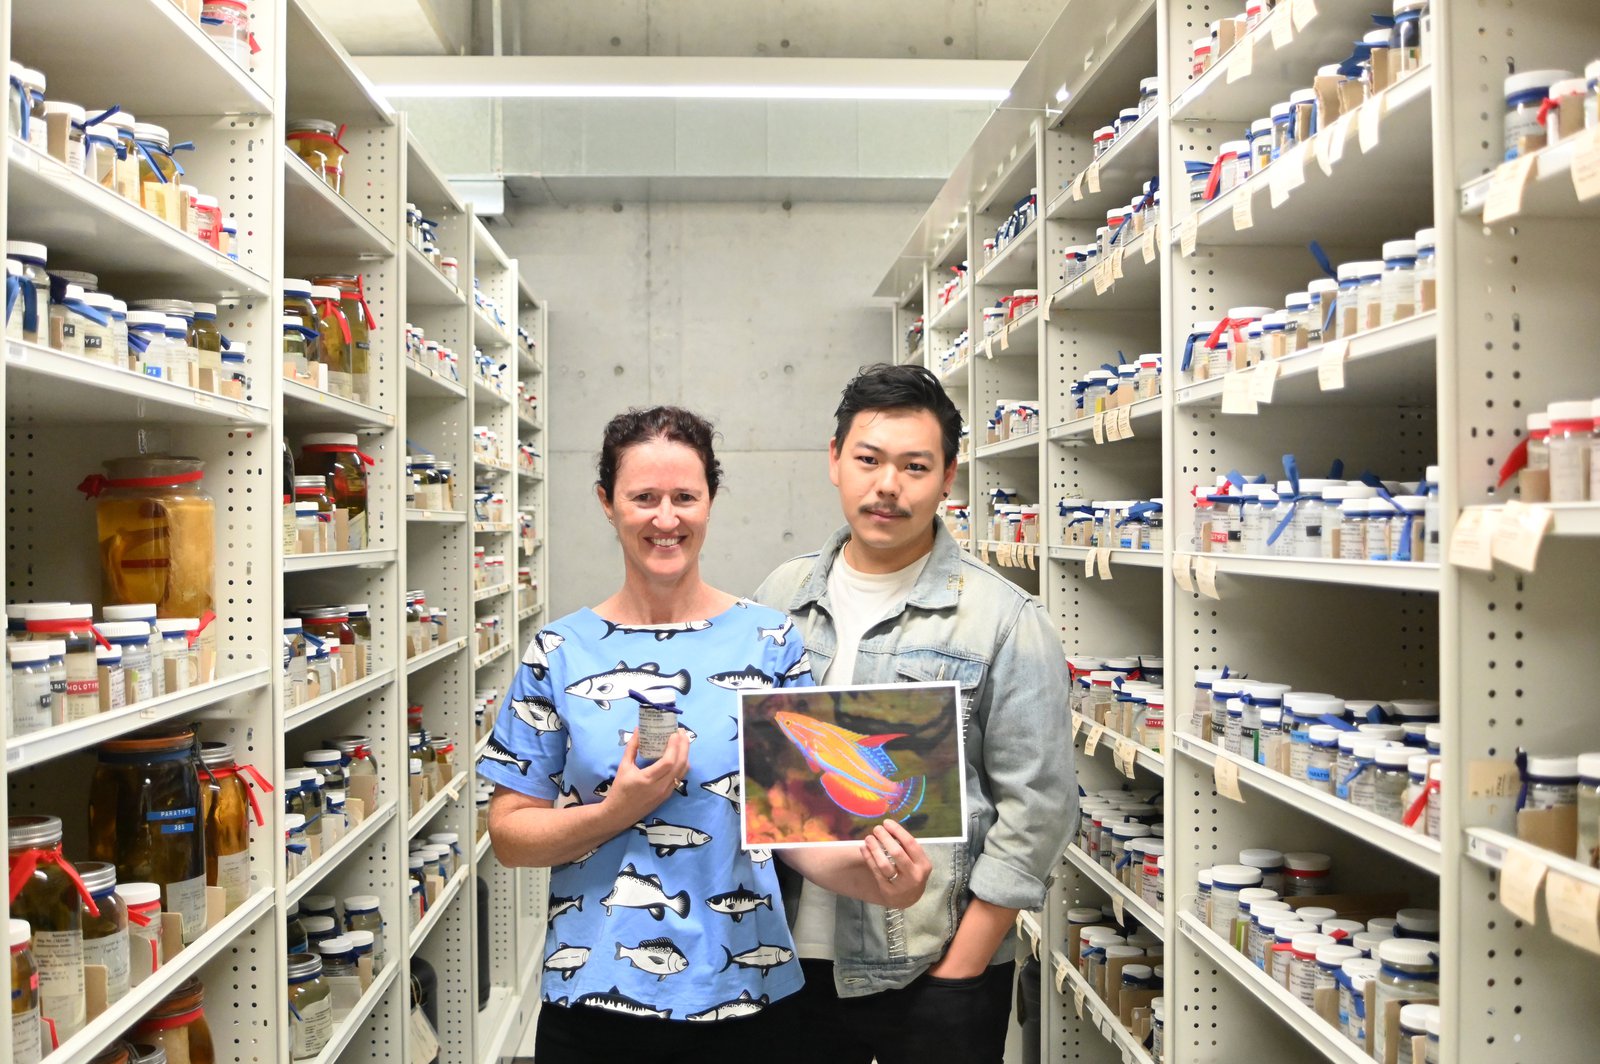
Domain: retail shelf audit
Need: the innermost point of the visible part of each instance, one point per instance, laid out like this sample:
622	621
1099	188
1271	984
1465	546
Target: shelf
480	849
487	593
1549	192
1275	72
1013	447
493	528
1382	576
339	559
435	914
1367	192
448	793
345	1033
1097	1013
955	376
1018	338
527	474
485	394
495	1023
141	28
494	655
953	315
1122	171
437	517
1410	846
1132	904
1383	366
424	383
1015	265
114	1022
46	385
35	748
308	407
1080	432
1138	288
528	611
1148	759
321	224
486	332
1489	848
493	467
1151	559
319	707
306	881
426	284
1574	520
528	422
1323	1036
322	78
425	185
1011	181
135	253
438	653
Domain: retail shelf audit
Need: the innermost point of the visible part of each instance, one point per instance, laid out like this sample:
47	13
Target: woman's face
660	507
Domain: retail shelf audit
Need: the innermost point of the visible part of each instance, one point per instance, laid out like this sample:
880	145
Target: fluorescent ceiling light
675	77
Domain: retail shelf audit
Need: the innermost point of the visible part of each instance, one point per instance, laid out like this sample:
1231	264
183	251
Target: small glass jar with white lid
1550	783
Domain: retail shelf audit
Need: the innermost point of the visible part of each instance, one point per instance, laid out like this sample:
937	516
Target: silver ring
894	877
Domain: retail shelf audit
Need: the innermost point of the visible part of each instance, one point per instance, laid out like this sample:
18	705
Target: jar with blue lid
1149	93
1260	140
1282	128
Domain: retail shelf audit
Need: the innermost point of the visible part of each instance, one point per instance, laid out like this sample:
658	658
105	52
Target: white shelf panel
437	517
1138	288
1016	265
319	707
528	611
485	394
1080	432
1011	181
189	74
493	528
491	592
1322	1036
322	79
1383	576
436	911
448	793
492	467
1576	520
37	391
953	315
1382	366
346	1031
80	222
1410	846
1131	161
322	224
335	855
492	656
1018	339
425	185
35	748
486	332
311	407
339	559
1150	760
955	376
1549	192
1132	904
429	384
1149	559
495	1022
1028	927
438	653
534	476
426	284
480	849
1489	848
1016	447
1096	1012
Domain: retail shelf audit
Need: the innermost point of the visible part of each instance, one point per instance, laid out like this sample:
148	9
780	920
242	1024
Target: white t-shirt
859	600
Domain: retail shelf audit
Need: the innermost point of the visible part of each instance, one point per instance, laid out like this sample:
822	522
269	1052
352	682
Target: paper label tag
1287	173
1180	571
1116	264
1124	423
1126	757
1506	187
1330	365
1240	61
1471	546
1188	236
1005	338
1098	429
424	1041
1518	533
1077	994
1303	11
1119	908
1226	775
1282	28
1091	178
1574	908
1263	379
1205	577
1333	150
1586	166
1521	876
1092	744
1243	213
1077	724
1077	187
1088	564
1369	122
1151	241
1105	562
1236	394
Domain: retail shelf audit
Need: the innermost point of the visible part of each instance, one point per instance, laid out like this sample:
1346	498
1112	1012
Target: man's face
891	478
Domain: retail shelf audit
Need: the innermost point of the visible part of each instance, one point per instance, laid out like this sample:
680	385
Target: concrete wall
747	313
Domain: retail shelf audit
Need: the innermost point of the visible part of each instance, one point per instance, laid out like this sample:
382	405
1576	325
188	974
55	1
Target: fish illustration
496	752
568	797
737	902
549	642
779	634
604	787
743	1005
623	734
647	679
635	891
662	632
560	1001
537	713
759	855
558	906
854	768
748	678
568	959
615	1001
727	786
800	668
658	956
579	862
668	839
763	957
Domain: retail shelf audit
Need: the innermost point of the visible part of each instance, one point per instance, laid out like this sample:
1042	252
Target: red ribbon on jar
205	622
167	1023
95	483
26	863
339	448
330	306
63	627
1420	806
252	779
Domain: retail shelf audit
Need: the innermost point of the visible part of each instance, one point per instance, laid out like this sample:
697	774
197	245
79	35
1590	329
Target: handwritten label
1105	562
1521	876
1151	240
1126	755
1077	187
1093	743
1506	188
1098	429
1471	546
1337	136
1586	166
1113	431
1302	11
1330	365
1287	173
1518	533
1369	122
1282	29
1077	992
1241	60
1077	724
1119	908
1236	395
1091	179
1088	564
1180	571
1263	379
1102	278
1243	214
1225	773
1574	908
1124	423
1116	264
1205	577
1188	236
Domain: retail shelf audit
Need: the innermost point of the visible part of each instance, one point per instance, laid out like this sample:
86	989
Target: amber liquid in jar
105	937
53	906
226	804
356	316
178	1025
27	1041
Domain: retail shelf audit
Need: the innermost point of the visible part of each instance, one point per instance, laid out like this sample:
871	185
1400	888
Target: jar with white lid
1304	971
1571	437
1199	57
1255	699
1126	118
1550	783
1282	128
1399	284
1369	295
1202	896
1149	93
1358	782
1195	365
1232	168
1200	709
1409	971
1525	94
1224	692
27	104
1104	137
1226	883
1260	140
1254	520
1265	915
1115	860
1269	863
1092	943
1391	780
64	133
28	318
1416	923
1116	951
1588	851
1304	710
1278	953
1353	978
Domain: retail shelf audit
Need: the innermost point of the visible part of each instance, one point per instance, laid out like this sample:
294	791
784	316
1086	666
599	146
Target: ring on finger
894	877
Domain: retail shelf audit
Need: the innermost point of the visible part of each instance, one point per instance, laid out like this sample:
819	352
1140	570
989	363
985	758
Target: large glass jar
357	749
302	793
337	457
333	622
178	1025
105	936
72	625
228	803
144	816
358	316
310	1007
206	337
297	305
337	340
316	142
47	893
27	1047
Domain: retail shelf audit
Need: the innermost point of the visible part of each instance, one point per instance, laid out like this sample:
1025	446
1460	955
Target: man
891	598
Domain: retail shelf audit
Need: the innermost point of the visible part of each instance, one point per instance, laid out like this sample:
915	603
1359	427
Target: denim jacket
961	622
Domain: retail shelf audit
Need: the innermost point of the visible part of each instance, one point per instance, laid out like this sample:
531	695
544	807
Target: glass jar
1570	440
1525	94
48	893
296	930
71	625
1390	782
1588	810
297	304
1260	139
336	457
27	1043
362	913
178	1025
357	750
1226	883
105	937
357	315
33	706
317	145
30	85
1347	316
329	767
144	808
227	22
146	953
302	792
28	317
206	338
1399	283
1550	783
336	340
1409	971
228	802
296	850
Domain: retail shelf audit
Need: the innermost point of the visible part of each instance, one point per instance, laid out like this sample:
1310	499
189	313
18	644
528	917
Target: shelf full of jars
207	556
1311	445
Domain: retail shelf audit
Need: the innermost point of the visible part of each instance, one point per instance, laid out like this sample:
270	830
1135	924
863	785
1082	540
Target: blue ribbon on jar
22	284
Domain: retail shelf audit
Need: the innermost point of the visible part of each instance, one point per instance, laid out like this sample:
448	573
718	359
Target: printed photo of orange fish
825	765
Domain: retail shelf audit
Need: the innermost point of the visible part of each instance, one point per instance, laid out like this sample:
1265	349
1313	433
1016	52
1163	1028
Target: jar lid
312	125
1337	954
1235	875
151	132
139	893
293	822
357	609
171	626
1588	766
361	941
325	291
296	286
1261	858
33	79
30	653
27	251
1414	707
137	318
98	876
361	903
1262	125
336	944
1307	862
1425	921
1252	895
1570	411
1552	768
324	439
1400	249
21	933
163	738
1416	952
124	629
213	752
323	757
316	925
304	966
445	838
1533	80
1122	951
1306	944
62	107
1391	755
144	611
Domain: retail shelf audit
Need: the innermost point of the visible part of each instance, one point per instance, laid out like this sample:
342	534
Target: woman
656	914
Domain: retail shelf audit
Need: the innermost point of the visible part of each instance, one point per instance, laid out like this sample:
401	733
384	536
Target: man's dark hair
671	423
886	387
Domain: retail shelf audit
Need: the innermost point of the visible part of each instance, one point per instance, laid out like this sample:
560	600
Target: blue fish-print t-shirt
670	919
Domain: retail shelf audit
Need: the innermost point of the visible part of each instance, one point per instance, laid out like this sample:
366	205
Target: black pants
587	1035
931	1021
